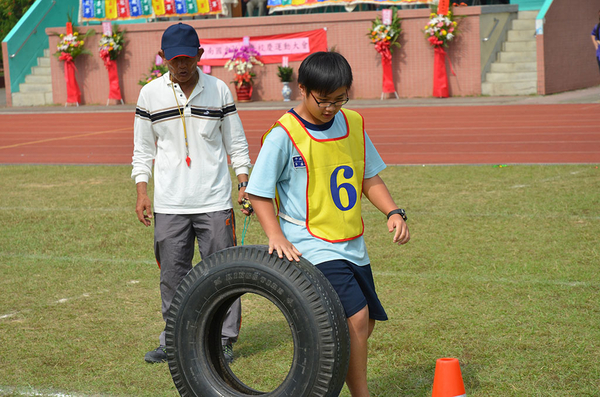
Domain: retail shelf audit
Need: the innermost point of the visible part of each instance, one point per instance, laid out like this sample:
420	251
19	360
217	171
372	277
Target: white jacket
214	130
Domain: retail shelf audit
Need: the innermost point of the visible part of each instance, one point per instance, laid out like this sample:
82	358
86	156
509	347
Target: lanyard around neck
187	150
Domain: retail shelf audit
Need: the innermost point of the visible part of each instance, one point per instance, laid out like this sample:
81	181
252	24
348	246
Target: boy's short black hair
325	72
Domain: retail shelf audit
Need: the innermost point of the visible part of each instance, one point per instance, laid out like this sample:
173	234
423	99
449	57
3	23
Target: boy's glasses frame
324	105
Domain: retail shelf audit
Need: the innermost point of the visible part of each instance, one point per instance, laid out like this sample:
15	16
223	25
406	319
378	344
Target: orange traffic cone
447	381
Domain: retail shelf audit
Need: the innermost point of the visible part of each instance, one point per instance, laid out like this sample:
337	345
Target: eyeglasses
336	104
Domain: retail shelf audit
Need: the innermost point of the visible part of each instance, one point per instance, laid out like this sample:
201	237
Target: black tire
305	297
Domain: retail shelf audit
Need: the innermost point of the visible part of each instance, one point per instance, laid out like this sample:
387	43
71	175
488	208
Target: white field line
546	180
488	280
46	258
66	209
495	215
485	280
30	391
75	258
61	301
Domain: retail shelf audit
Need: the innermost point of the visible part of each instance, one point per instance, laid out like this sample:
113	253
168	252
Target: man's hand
143	206
242	197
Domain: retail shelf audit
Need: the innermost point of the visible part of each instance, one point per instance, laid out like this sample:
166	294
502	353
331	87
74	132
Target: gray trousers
174	237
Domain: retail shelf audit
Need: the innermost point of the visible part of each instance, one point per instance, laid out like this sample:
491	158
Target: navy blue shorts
355	287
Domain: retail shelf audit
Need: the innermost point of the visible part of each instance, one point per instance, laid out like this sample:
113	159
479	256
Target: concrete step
515	71
35	87
508	67
44	61
523	24
519	46
509	88
41	71
29	99
521	35
527	14
517	56
508	77
39	79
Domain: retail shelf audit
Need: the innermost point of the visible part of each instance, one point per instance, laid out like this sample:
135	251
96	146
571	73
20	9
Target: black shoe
158	355
228	353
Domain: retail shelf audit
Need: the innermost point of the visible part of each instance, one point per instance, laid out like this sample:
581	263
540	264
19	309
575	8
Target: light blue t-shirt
280	165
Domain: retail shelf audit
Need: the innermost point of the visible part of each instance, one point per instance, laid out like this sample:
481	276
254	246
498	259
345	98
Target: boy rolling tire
306	299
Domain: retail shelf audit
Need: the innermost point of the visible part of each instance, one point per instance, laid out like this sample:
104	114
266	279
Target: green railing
528	5
539	20
28	40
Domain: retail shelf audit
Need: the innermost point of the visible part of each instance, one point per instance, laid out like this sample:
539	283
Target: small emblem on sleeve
298	162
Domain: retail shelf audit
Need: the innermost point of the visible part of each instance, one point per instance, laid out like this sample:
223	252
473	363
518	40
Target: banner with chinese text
112	10
288	5
295	46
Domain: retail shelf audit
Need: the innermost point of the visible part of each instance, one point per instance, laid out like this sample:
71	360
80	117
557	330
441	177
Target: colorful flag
87	8
159	7
135	8
180	7
203	6
99	11
127	9
215	6
146	7
111	9
192	6
169	6
123	9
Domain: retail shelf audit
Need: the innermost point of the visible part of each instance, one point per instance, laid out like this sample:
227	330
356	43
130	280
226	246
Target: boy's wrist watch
242	184
398	211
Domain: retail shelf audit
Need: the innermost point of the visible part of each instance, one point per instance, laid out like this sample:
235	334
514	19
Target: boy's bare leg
360	327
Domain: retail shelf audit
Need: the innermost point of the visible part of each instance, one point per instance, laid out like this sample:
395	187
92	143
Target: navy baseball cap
180	40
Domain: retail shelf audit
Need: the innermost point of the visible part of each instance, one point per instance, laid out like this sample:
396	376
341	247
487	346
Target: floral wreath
110	46
385	37
441	29
71	45
242	61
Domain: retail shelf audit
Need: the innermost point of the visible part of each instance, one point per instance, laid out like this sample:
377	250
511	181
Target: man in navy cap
186	125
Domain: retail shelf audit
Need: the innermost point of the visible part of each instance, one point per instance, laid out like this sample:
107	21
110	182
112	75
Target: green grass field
502	272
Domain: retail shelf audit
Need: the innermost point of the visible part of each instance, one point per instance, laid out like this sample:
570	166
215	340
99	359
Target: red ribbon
73	92
113	75
113	80
383	48
105	55
440	76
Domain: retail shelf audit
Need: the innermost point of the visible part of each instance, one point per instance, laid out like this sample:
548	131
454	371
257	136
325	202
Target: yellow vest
335	171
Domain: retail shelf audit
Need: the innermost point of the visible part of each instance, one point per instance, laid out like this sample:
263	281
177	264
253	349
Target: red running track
512	134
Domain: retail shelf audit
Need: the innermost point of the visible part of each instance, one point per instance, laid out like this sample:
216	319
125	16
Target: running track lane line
64	137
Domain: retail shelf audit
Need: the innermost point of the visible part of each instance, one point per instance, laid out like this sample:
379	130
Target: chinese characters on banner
130	9
272	49
287	5
443	7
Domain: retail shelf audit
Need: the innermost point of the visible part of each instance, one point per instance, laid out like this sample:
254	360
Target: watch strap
398	211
